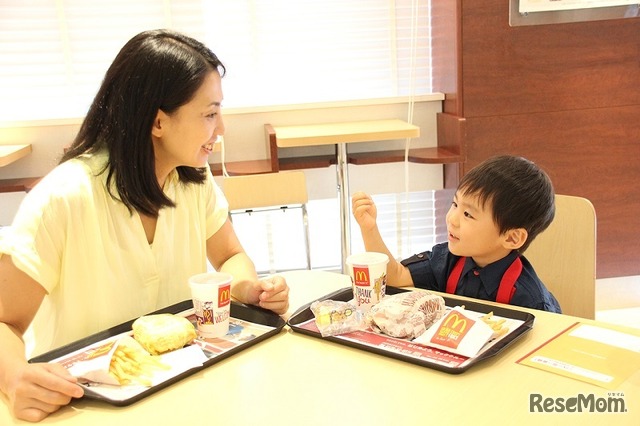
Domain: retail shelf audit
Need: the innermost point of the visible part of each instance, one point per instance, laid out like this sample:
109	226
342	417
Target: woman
132	211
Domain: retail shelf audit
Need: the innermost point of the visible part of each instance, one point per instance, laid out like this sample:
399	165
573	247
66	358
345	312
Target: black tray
402	347
244	313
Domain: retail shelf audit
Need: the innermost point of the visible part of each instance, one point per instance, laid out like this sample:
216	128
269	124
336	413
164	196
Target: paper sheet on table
599	354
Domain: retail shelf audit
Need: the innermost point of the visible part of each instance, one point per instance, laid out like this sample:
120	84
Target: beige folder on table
601	355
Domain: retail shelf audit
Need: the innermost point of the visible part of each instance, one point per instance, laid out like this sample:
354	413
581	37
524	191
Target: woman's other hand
37	390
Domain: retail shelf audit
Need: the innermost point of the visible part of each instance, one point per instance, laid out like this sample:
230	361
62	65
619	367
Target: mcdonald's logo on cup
361	276
224	295
211	290
368	272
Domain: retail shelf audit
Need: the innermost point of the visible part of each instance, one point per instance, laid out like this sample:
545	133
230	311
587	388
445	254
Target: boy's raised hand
364	211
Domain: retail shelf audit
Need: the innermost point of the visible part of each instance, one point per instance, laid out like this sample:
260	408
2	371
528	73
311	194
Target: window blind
54	53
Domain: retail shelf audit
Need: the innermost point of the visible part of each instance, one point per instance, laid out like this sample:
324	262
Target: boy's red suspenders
507	283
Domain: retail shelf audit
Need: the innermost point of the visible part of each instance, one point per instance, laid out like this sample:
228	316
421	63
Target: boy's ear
515	238
158	123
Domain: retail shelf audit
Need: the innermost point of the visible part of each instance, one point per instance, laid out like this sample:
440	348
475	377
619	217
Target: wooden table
297	379
11	153
340	134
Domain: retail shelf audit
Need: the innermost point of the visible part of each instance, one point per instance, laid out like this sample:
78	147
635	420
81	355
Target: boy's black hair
520	193
155	70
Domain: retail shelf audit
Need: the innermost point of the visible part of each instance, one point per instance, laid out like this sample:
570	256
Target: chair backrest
270	191
265	190
564	256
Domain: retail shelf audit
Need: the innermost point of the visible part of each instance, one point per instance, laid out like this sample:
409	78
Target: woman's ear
515	238
159	123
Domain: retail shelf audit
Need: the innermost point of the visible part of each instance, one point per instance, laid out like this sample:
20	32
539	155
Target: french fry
496	325
134	366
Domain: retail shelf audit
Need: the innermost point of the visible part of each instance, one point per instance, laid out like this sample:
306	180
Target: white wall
245	140
9	203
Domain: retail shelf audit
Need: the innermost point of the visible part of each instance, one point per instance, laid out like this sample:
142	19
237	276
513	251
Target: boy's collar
491	274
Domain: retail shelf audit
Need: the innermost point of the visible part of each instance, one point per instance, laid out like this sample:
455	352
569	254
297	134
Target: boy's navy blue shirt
430	270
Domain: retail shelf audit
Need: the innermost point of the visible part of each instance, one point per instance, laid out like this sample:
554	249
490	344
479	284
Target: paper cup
368	272
211	293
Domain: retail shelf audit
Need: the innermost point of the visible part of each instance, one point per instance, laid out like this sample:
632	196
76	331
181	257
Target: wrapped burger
406	315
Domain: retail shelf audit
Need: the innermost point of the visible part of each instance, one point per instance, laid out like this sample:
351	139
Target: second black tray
299	322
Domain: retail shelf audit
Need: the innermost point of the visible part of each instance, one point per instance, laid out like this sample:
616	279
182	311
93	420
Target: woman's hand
37	390
34	390
271	293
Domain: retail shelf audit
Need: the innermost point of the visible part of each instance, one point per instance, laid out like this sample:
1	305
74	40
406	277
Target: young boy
498	209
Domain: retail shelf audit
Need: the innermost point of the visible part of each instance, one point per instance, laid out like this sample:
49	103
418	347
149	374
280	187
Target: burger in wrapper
406	315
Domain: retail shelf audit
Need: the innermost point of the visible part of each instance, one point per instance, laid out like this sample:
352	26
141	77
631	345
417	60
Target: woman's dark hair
521	194
155	70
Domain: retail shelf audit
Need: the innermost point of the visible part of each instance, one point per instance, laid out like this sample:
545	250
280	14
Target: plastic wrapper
406	315
335	317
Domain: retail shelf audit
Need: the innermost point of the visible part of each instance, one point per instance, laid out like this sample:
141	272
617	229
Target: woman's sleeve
35	240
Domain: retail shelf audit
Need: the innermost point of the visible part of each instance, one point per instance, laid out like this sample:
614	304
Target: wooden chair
269	191
564	256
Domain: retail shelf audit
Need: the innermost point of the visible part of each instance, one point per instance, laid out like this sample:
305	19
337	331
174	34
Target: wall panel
566	96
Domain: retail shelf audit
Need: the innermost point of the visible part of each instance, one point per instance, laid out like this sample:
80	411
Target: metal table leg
342	177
